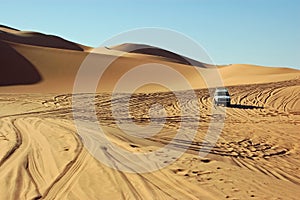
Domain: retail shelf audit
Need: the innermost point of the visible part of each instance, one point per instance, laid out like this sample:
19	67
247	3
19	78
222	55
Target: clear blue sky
264	32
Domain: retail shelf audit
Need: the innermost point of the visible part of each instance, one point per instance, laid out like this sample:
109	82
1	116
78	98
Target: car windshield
222	93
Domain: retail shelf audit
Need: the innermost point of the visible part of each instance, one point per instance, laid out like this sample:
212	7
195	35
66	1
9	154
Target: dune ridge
155	51
37	39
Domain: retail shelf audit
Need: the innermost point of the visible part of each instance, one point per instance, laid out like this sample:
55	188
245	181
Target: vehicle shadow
244	106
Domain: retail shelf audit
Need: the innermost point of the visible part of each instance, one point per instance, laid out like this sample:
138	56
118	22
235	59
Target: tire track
24	152
17	143
20	149
17	159
64	179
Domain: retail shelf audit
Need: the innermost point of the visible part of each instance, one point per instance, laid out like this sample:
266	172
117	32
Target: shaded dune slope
17	70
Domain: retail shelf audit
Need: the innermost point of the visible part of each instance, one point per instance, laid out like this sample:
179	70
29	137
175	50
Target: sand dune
57	62
42	156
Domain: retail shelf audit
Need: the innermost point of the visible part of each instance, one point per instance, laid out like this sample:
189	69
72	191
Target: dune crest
155	51
37	39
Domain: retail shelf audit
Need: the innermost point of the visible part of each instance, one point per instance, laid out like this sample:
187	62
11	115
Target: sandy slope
238	74
256	156
42	155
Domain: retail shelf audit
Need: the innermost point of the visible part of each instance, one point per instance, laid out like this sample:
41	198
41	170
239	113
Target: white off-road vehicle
221	97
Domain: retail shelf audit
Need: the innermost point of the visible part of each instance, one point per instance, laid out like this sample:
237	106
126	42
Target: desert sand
42	156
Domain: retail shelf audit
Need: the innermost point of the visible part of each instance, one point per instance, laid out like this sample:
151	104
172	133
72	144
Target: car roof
221	89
